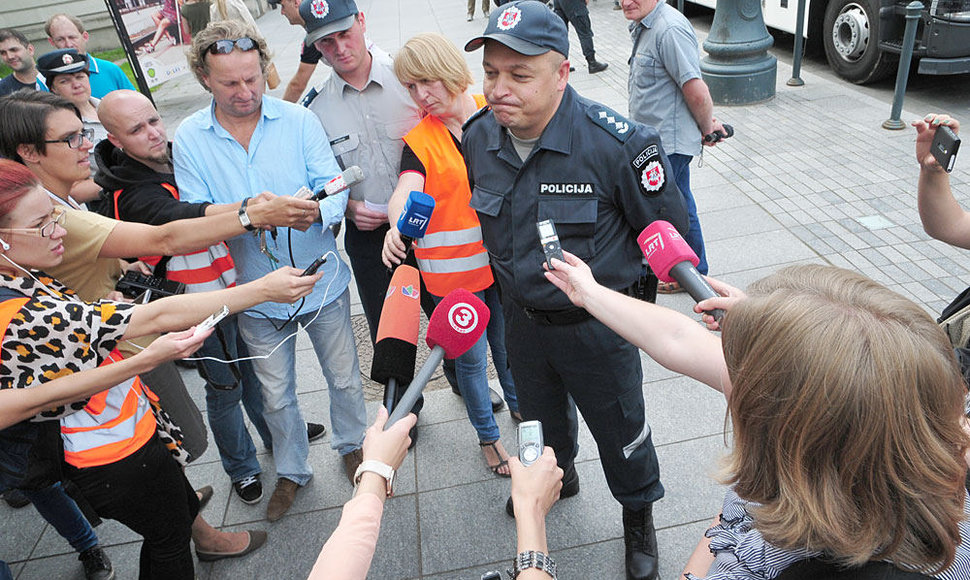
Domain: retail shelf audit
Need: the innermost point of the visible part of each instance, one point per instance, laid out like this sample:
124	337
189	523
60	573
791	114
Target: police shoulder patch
612	122
475	116
649	169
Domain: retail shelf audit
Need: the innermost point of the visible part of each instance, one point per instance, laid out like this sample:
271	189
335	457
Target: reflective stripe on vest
202	271
451	254
113	425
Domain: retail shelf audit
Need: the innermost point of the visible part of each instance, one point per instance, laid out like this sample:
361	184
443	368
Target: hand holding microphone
671	259
455	326
411	225
397	334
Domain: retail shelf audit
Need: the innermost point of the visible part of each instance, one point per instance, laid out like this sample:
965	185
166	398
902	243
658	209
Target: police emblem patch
650	170
509	18
67	59
320	8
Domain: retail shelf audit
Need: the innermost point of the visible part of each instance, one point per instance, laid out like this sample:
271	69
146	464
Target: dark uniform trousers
370	273
601	179
599	373
576	12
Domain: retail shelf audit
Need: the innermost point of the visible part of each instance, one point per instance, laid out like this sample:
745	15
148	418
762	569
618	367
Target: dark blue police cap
63	61
527	27
323	17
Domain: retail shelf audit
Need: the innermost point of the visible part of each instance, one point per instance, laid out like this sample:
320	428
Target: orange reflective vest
451	254
202	271
113	425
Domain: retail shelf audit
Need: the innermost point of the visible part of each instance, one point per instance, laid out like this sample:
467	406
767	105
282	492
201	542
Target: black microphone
671	259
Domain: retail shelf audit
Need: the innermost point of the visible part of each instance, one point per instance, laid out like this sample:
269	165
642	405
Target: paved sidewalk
809	177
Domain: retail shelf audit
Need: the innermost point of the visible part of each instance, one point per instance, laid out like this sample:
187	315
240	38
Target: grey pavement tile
20	530
680	409
742	220
124	559
756	251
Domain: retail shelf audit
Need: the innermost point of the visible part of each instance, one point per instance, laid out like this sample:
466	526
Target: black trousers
576	12
586	365
147	492
370	273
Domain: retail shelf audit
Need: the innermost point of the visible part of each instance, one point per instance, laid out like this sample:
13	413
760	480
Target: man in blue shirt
66	31
18	53
244	144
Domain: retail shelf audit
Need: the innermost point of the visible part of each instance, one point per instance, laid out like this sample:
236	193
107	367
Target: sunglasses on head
226	46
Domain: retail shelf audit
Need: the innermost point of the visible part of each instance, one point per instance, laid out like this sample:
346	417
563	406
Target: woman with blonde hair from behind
846	405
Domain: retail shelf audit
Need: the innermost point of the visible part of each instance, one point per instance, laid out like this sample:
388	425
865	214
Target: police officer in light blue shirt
543	152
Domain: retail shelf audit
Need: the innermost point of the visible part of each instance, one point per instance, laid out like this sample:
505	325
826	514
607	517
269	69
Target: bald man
135	170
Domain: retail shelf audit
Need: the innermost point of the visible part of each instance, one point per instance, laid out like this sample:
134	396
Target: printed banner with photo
156	34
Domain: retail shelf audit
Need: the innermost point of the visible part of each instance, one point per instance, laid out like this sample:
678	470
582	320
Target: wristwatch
532	559
378	467
244	217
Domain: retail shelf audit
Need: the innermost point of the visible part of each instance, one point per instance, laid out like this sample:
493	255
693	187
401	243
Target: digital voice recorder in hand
530	442
211	320
550	242
945	146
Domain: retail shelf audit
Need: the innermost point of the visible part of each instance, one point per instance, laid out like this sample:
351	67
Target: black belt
556	317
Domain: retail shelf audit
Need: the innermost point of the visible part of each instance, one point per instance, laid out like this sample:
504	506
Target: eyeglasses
74	141
225	46
46	230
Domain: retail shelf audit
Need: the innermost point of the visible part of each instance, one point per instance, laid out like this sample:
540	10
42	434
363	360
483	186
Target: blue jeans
473	378
236	448
5	573
60	511
333	341
496	342
680	166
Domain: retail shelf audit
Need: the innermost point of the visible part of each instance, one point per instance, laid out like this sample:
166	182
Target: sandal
668	288
502	462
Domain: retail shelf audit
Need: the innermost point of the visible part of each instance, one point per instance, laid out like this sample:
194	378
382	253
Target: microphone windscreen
664	248
416	215
401	313
457	323
393	359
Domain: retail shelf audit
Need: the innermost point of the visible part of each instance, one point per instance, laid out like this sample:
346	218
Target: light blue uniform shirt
105	77
664	58
288	150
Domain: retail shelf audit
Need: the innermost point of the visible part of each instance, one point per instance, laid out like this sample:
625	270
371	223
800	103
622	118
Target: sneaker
96	564
315	431
595	66
15	498
249	489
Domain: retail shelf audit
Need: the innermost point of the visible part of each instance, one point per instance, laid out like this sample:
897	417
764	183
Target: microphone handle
417	385
691	280
390	394
408	244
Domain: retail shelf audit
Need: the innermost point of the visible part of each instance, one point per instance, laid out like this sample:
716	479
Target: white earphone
4	245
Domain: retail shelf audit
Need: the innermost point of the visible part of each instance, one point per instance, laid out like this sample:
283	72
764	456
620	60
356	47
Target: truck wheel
850	35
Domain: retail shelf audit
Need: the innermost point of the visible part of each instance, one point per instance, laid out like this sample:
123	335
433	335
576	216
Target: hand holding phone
550	244
530	442
211	320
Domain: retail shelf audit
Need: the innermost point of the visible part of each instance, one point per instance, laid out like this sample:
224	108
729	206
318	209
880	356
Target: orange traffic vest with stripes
451	254
202	271
113	425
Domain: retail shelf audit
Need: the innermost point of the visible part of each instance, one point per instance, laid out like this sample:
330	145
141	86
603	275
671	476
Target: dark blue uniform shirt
600	177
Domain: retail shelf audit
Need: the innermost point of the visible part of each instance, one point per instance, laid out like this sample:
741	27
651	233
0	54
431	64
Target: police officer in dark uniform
543	152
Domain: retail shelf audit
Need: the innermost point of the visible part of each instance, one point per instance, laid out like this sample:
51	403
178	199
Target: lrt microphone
413	221
671	259
455	326
397	334
351	176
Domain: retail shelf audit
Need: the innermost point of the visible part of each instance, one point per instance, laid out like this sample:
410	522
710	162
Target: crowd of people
846	403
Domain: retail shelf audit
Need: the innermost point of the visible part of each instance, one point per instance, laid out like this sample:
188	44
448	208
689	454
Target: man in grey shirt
366	113
667	92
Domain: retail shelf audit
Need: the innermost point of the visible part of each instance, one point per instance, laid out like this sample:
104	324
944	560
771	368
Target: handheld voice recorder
530	442
550	242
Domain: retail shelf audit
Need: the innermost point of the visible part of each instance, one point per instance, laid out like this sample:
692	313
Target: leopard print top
54	335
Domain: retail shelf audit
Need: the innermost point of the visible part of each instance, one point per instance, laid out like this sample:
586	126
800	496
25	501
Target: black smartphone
312	268
945	146
134	284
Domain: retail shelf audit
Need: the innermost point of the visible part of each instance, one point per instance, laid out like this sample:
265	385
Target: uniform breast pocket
345	144
645	70
496	225
575	220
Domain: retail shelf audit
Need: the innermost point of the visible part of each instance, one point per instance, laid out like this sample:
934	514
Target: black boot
596	66
641	543
570	487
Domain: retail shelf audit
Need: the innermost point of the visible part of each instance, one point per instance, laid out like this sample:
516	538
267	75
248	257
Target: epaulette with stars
612	122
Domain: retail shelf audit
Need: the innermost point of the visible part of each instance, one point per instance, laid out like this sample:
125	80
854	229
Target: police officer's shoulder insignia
614	123
475	116
650	170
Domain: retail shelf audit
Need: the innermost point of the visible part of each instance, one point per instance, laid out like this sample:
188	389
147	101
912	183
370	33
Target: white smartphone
211	320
